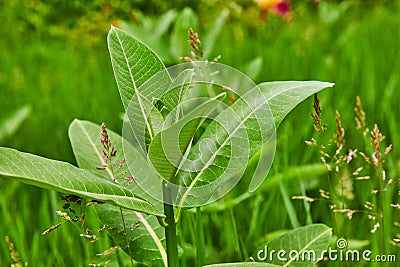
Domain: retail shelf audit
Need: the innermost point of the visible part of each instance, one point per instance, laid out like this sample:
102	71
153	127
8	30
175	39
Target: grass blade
10	125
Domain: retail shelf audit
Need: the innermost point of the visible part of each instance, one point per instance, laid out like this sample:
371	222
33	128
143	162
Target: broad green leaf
242	264
284	96
214	32
186	19
133	64
10	124
168	147
308	242
156	121
143	238
166	167
226	152
226	145
141	79
150	38
176	93
66	178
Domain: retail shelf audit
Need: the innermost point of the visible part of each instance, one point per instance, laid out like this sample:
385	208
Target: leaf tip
330	84
113	30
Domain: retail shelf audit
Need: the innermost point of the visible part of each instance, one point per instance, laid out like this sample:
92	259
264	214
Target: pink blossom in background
282	8
278	7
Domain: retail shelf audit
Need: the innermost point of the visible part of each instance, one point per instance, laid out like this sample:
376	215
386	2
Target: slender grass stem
334	217
235	233
380	209
200	246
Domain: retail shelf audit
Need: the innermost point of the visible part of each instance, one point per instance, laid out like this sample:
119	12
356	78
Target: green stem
380	206
170	229
200	246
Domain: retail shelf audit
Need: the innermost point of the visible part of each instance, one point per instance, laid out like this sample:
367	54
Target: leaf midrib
154	236
95	148
138	95
215	154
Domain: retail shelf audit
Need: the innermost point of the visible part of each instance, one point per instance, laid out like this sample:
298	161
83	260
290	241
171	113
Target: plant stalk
170	229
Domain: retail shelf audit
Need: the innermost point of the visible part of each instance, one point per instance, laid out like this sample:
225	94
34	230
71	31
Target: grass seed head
51	229
338	137
317	115
109	163
14	254
360	115
195	43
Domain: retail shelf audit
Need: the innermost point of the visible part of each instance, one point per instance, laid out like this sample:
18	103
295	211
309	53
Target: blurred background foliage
54	53
54	61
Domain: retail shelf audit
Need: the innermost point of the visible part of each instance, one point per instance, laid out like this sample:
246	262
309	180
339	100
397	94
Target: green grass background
63	78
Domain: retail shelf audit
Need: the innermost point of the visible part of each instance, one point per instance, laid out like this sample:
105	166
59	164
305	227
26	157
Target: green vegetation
66	76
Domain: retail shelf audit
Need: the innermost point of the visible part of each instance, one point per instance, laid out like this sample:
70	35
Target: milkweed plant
189	132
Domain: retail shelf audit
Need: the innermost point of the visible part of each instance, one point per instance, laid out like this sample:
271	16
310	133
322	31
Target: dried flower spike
130	180
51	229
376	226
360	114
102	228
348	212
317	116
376	137
109	163
63	215
94	202
306	198
338	138
194	40
387	150
108	251
14	254
195	43
349	157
